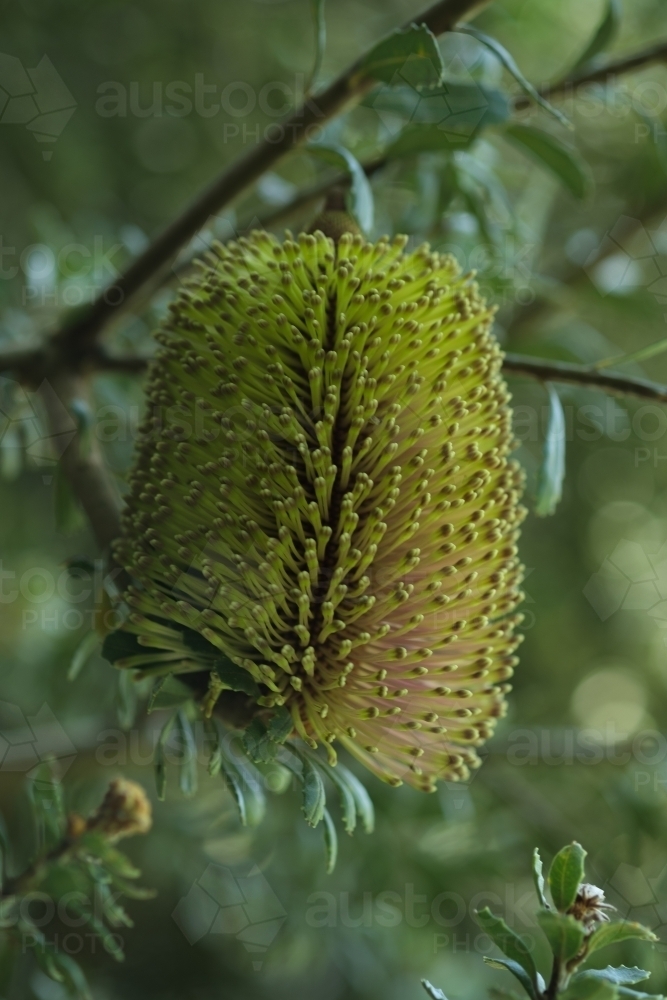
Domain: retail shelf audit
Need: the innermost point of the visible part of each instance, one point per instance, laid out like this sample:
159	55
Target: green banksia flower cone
322	496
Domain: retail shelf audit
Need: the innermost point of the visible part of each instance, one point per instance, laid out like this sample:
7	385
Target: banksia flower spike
322	496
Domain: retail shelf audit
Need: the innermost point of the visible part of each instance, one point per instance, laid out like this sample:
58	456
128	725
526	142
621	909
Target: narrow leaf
159	759
621	974
314	795
360	200
509	942
347	801
552	470
407	55
566	164
604	35
643	354
362	799
566	875
433	991
330	841
320	24
82	654
538	879
613	933
187	755
252	785
564	934
510	65
232	780
517	971
280	725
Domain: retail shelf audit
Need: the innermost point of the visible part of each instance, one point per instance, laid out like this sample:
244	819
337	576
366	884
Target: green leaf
566	164
257	743
236	678
119	645
320	24
168	692
187	755
538	879
604	35
517	971
620	974
231	778
433	991
252	785
552	470
314	794
46	795
590	989
362	799
360	199
159	759
280	725
82	654
510	65
564	934
621	931
566	875
347	800
407	55
65	970
330	841
509	943
127	699
643	354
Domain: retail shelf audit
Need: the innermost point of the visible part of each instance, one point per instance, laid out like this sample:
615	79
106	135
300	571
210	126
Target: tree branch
346	89
563	371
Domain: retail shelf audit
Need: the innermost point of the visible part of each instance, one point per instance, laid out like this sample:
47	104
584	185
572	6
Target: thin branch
563	371
600	72
346	89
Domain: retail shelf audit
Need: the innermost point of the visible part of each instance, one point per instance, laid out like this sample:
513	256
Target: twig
564	371
346	89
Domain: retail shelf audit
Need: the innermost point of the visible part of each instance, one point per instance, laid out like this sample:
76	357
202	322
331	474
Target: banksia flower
322	496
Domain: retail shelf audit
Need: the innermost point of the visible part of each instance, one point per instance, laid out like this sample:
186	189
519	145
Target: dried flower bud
589	906
124	811
322	495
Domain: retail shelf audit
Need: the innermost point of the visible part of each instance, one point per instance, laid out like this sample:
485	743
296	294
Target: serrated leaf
362	799
509	965
169	692
347	801
82	654
407	55
547	150
360	198
251	784
236	678
620	931
509	943
232	780
510	65
433	991
552	470
564	934
330	841
620	974
314	794
257	744
566	875
604	35
280	725
538	879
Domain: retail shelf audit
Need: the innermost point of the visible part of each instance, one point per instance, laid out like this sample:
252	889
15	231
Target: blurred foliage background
583	751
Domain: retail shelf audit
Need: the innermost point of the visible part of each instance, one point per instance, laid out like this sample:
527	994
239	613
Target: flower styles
322	499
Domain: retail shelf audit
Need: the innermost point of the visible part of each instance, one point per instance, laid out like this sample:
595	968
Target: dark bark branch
563	371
